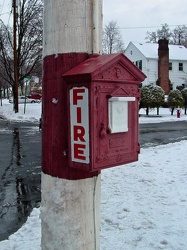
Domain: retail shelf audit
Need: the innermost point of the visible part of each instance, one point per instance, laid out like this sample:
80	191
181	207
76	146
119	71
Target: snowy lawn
144	204
164	116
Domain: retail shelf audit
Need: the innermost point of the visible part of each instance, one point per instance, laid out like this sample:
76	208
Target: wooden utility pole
70	209
15	87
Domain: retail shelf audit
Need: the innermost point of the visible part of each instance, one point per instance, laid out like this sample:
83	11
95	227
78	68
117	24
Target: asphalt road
152	134
20	166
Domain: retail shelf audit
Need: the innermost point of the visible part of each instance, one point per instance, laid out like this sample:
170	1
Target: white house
145	56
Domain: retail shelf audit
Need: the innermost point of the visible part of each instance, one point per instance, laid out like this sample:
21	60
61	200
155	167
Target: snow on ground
31	112
143	204
164	116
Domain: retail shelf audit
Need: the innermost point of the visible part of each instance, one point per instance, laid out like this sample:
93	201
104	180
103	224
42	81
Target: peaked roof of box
94	66
150	50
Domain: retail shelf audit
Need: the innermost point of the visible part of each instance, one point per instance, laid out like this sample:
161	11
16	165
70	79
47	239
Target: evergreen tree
184	95
175	100
158	96
152	97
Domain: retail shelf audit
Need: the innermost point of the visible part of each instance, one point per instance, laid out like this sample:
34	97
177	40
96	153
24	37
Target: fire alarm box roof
105	67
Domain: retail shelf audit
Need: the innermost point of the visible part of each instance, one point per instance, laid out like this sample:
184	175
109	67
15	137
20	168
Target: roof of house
150	50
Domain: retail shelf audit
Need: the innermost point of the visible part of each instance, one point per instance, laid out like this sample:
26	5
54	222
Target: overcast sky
147	13
134	17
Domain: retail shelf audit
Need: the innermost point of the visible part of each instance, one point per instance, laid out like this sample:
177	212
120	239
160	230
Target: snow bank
31	112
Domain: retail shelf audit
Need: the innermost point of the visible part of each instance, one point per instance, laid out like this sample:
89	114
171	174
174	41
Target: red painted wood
107	76
54	117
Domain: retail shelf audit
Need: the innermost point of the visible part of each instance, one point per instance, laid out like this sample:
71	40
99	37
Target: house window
170	66
180	66
139	64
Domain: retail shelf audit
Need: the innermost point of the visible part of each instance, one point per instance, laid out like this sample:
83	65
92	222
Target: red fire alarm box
103	112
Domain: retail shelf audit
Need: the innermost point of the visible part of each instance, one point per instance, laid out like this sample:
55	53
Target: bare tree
29	43
112	40
180	35
175	36
163	33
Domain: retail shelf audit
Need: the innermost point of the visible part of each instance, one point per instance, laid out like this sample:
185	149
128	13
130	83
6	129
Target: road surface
20	168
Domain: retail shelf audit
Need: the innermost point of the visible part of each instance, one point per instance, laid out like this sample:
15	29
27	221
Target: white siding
152	71
176	76
133	53
150	65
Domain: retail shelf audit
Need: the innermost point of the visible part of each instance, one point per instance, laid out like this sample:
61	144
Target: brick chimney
163	65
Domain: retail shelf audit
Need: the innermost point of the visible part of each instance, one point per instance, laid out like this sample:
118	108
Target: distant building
163	64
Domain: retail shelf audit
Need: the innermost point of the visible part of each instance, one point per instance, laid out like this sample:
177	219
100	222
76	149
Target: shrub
184	95
175	100
152	96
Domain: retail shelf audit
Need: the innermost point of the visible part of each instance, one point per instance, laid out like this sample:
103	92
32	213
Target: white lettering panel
79	122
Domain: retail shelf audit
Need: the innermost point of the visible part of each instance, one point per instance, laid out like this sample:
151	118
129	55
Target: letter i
79	115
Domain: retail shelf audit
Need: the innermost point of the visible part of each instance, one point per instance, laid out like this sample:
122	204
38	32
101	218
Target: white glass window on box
118	113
